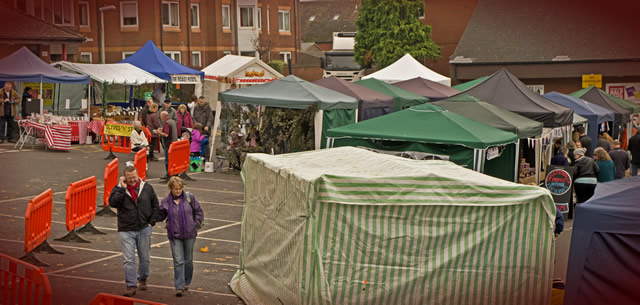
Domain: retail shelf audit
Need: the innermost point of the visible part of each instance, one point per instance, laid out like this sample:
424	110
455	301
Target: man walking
620	159
138	208
8	104
203	114
634	149
586	141
169	135
172	112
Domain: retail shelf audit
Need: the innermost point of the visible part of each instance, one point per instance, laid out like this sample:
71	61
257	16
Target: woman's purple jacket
181	228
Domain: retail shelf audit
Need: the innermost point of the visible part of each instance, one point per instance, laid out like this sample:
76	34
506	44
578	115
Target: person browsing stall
138	137
8	102
153	124
138	209
184	118
184	215
169	135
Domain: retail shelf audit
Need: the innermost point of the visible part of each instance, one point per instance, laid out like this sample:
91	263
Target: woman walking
585	177
184	118
184	215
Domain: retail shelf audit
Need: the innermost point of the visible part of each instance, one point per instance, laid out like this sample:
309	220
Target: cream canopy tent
120	73
407	68
240	70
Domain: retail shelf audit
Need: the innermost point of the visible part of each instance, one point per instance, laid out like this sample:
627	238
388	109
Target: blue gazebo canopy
154	61
24	66
592	112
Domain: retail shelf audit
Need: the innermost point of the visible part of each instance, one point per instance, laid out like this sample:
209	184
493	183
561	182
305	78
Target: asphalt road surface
88	269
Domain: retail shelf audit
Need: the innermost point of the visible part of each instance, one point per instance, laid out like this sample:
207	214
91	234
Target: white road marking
85	264
193	289
222	203
202	232
221	180
199	189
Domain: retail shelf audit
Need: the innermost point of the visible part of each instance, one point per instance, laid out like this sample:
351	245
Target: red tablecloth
79	131
56	137
96	126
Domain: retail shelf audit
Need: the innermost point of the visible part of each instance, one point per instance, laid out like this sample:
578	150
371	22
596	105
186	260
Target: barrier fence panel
110	181
111	299
81	209
37	227
179	159
140	163
23	283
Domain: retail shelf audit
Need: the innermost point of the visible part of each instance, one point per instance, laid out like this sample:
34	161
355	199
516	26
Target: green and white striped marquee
350	226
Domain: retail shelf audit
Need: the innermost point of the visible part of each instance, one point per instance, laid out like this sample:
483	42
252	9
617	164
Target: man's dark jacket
135	216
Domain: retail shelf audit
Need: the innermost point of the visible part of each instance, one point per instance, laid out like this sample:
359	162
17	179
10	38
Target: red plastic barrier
111	299
140	163
179	157
148	136
110	179
23	283
37	220
81	203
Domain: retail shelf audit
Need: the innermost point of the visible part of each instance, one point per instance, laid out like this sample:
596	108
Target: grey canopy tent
622	115
403	98
371	103
335	109
432	90
493	116
605	247
504	90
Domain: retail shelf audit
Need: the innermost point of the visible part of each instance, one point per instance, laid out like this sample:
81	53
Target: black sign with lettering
559	181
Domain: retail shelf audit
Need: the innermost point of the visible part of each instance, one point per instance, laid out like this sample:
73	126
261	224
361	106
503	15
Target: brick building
192	32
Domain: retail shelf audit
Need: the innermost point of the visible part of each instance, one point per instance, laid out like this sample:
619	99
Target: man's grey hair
137	124
164	114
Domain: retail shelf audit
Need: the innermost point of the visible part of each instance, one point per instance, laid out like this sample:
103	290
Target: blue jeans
130	241
634	169
182	251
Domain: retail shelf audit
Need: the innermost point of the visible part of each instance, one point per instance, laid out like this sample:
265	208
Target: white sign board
539	89
185	79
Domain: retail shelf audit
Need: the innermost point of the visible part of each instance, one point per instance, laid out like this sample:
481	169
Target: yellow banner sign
592	80
46	94
123	130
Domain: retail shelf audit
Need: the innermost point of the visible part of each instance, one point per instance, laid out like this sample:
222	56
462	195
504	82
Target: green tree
388	29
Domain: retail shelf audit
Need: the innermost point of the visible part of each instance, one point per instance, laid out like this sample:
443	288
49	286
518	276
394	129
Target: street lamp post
102	10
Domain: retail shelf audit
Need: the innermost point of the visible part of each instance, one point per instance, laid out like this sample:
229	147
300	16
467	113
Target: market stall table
55	136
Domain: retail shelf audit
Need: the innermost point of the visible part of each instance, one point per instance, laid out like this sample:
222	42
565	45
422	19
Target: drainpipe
189	17
161	28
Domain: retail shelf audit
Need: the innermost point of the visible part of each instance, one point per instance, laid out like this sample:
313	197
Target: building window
284	22
226	23
84	14
63	12
170	14
195	59
226	53
286	57
259	19
246	16
129	14
126	55
248	53
85	57
175	55
195	15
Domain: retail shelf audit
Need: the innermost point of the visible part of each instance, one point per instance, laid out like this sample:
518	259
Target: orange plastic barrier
115	143
37	220
148	136
23	283
81	208
179	157
111	299
81	202
140	163
110	181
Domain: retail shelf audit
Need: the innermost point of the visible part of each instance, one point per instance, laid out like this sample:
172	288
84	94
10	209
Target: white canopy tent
407	68
121	73
118	74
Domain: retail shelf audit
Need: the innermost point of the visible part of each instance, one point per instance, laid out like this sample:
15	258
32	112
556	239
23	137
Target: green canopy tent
350	226
403	98
335	109
469	84
430	129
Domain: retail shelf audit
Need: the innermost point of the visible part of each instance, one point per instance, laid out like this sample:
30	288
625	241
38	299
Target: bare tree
263	45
